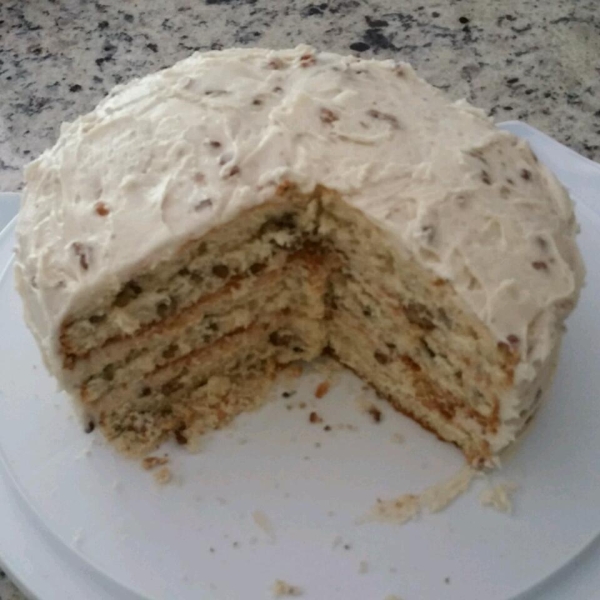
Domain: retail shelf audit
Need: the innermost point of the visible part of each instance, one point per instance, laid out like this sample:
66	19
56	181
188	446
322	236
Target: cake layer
299	283
417	397
136	429
463	374
409	385
207	387
252	344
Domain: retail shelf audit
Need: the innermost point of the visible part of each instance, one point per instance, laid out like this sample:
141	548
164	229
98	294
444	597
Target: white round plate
275	497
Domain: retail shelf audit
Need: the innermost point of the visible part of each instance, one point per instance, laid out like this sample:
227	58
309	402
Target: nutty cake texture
208	224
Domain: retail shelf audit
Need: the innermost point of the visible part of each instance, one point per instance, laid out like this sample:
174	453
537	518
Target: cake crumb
434	499
195	441
163	476
264	523
398	438
441	495
344	427
499	497
375	413
314	417
399	510
150	462
283	588
322	389
365	404
363	567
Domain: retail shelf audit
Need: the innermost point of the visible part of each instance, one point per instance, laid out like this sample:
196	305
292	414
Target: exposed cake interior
189	343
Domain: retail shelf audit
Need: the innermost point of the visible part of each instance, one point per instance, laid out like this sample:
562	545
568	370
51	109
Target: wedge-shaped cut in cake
244	209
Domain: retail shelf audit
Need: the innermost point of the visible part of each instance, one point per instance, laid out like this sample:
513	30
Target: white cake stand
278	498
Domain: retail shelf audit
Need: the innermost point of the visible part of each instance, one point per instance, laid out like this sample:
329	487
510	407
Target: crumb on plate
163	475
322	389
151	462
499	497
282	588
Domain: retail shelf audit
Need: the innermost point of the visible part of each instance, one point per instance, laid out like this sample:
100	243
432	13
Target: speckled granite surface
532	60
519	59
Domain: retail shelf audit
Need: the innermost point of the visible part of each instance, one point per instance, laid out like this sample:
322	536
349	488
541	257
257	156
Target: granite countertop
531	60
518	59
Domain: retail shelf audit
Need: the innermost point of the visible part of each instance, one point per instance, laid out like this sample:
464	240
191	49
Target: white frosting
173	154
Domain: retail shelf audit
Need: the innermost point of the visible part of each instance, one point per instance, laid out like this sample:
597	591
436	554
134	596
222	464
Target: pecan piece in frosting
328	116
307	60
101	209
84	253
391	119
